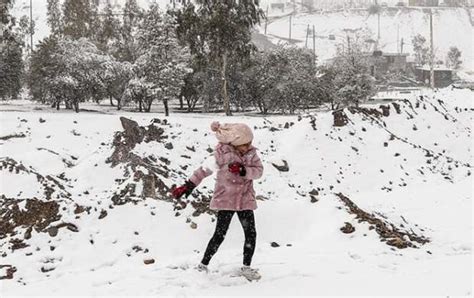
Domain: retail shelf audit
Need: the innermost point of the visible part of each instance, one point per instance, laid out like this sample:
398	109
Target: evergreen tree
107	33
131	16
96	22
54	17
11	69
5	17
219	30
192	90
126	47
11	48
78	19
7	22
43	71
25	28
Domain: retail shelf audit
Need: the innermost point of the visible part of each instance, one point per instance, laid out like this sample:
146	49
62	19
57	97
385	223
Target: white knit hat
232	133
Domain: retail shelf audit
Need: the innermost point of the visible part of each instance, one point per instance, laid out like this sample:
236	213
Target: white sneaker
250	273
202	268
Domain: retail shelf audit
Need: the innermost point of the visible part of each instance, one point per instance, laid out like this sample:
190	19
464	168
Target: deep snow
420	179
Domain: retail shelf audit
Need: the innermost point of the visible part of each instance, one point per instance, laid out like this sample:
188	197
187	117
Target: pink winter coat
232	192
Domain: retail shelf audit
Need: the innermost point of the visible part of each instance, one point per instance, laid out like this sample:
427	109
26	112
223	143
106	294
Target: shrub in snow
346	81
284	80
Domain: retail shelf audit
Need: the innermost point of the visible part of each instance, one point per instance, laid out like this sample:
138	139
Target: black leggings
223	220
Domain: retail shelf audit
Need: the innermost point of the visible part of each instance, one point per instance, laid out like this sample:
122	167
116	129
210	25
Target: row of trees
197	53
422	54
136	59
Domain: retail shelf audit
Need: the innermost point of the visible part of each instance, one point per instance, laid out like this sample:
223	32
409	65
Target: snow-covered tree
349	73
68	71
162	61
82	63
353	85
219	29
11	49
115	76
453	58
420	49
283	79
141	92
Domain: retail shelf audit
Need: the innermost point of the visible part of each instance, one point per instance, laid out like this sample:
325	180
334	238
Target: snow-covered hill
74	219
452	27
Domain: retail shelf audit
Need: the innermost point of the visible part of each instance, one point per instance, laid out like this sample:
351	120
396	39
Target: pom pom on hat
215	126
232	133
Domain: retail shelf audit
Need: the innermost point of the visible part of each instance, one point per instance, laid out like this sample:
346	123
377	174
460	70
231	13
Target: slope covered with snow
402	181
451	27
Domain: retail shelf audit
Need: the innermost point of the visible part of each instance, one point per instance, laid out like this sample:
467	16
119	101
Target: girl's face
243	148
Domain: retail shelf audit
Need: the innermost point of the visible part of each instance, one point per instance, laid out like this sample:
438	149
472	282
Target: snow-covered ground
410	170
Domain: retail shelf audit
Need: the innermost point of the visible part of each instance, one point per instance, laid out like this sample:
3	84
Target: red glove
186	188
237	168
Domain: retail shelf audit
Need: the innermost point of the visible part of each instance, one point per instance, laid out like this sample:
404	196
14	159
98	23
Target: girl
237	165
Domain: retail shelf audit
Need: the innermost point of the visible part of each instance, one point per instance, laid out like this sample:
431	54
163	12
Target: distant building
443	77
276	5
309	4
317	4
384	62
